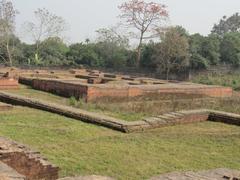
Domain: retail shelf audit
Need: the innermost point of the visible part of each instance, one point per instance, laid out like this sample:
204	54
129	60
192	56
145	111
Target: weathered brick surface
26	161
61	88
8	83
8	173
228	118
96	90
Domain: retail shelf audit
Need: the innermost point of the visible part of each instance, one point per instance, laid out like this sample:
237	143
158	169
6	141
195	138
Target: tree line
160	49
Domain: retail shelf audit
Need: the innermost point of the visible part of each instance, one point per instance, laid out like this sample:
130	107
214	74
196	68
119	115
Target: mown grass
229	80
83	149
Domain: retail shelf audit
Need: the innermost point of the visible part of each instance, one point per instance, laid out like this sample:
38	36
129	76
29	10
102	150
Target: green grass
83	149
104	108
229	80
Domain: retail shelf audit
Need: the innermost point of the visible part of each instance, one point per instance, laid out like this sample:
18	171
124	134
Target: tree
112	48
147	61
211	49
197	60
53	52
172	53
47	25
7	28
230	49
226	25
83	54
112	36
145	18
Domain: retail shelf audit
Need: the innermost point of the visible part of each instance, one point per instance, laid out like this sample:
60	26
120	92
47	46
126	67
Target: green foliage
230	49
227	25
83	54
197	61
211	49
229	80
72	101
53	52
112	48
112	55
147	60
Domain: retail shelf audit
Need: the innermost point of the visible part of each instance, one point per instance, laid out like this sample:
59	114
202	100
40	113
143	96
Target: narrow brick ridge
86	116
168	119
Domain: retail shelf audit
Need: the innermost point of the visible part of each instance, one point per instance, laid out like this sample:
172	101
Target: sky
84	17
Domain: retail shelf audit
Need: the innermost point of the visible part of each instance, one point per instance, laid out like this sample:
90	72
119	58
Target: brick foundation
93	92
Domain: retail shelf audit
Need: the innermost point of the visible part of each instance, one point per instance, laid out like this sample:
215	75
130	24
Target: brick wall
97	91
26	162
61	88
8	83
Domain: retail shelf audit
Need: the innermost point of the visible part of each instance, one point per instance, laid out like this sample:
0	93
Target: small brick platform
8	83
169	119
26	162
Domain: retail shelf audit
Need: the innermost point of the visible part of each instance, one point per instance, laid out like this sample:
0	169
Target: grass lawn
83	149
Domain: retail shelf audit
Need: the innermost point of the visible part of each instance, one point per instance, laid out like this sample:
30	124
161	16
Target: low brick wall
25	81
26	161
67	111
169	119
61	88
224	117
93	92
8	83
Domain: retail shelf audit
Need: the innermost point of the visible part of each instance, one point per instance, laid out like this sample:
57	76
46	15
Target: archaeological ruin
93	85
20	162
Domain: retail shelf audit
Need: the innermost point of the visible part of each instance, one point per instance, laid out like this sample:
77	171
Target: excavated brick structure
26	162
94	91
168	119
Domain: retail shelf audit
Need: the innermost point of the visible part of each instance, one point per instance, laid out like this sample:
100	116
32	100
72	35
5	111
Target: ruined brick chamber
95	85
24	163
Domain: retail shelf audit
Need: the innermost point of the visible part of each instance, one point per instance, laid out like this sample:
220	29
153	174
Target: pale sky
86	16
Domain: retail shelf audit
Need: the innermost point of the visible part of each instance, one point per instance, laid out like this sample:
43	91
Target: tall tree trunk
168	70
139	51
9	54
37	54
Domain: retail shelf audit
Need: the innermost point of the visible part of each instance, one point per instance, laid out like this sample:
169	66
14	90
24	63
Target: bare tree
112	35
7	28
144	17
172	53
47	25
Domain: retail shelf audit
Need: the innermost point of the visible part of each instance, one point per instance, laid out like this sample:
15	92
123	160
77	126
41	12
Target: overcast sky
86	16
